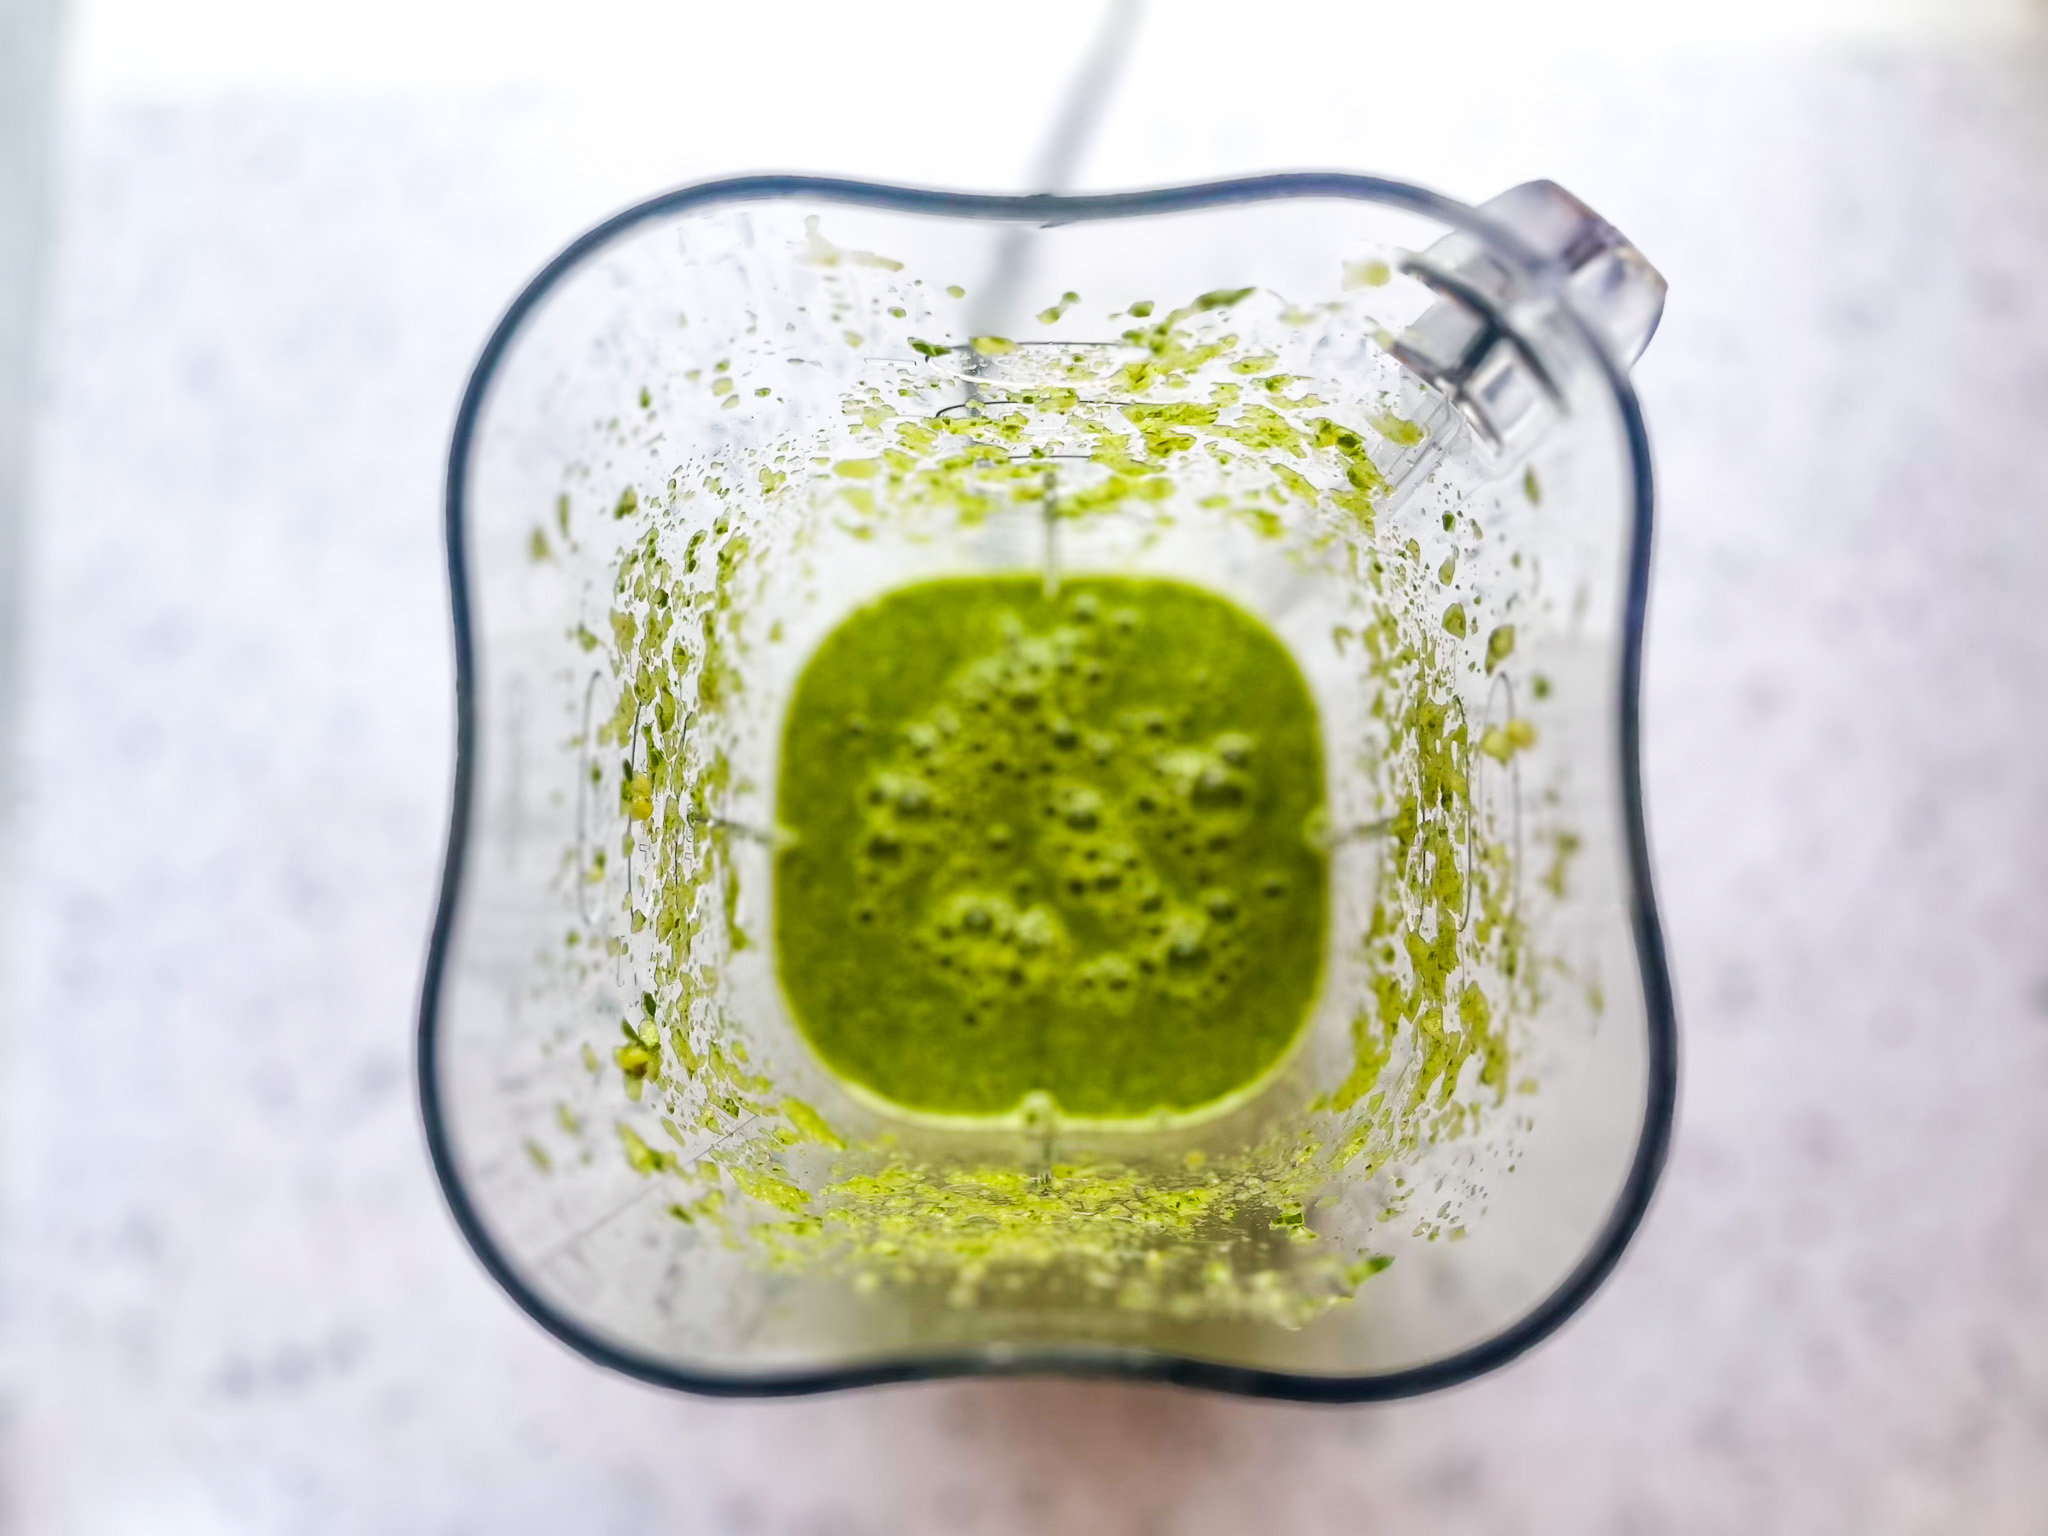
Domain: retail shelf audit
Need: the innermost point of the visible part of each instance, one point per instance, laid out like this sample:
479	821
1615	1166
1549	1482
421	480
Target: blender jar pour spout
1469	345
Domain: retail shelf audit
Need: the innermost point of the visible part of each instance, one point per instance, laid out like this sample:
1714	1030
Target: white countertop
236	1302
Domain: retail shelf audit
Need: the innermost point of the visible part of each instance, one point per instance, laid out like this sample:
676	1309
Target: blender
1396	431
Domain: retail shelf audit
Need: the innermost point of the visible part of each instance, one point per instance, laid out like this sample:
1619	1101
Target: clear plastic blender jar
1395	430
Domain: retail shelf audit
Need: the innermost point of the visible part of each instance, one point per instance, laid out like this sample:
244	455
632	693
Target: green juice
1051	845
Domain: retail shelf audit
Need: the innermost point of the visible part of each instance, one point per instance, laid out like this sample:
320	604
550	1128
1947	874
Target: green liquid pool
1051	845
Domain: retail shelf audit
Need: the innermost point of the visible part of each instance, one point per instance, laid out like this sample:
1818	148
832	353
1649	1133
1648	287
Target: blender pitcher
1394	431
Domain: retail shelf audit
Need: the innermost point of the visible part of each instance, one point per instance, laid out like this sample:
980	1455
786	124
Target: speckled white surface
237	1304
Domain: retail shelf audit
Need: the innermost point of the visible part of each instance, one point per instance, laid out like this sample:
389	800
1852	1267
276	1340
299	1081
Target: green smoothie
1061	845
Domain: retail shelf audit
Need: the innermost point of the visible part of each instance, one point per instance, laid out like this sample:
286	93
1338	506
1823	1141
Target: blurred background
248	252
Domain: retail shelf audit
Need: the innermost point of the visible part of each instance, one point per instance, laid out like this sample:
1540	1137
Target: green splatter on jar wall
1400	911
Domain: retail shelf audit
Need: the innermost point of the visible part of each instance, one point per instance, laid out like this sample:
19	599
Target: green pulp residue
1057	858
1060	846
